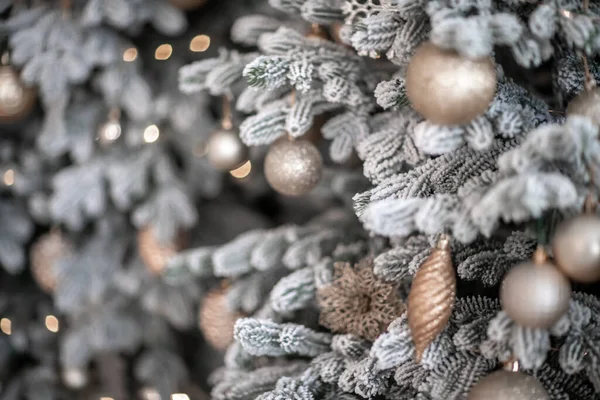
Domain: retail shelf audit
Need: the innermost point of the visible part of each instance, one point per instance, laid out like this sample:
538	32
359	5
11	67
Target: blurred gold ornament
317	32
226	151
586	104
156	254
535	294
16	100
447	88
216	319
293	167
188	4
431	297
44	254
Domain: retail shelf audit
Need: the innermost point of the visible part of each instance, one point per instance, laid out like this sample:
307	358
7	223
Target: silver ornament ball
16	100
535	295
226	151
586	104
576	248
508	385
293	167
447	88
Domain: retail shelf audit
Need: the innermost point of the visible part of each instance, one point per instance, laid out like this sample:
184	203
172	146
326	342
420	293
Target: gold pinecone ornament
358	302
431	297
216	319
156	254
44	254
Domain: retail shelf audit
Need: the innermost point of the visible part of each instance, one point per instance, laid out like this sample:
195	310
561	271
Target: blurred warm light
130	54
52	323
6	326
566	13
180	396
242	171
151	134
112	131
163	52
150	394
106	398
200	43
9	177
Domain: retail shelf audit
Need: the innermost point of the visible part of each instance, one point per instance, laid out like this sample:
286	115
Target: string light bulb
9	177
52	323
200	43
163	52
130	54
151	134
242	171
6	326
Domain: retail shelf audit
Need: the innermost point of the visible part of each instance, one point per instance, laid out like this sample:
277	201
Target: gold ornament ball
535	295
16	100
586	104
508	385
187	4
576	248
156	254
293	167
216	320
226	151
447	88
44	254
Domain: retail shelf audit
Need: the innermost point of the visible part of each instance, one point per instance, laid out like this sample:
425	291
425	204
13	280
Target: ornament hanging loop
227	119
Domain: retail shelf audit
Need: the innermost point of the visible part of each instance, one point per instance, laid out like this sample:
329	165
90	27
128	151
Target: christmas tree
300	199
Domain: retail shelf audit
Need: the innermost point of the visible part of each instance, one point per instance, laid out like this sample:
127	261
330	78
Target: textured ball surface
293	168
535	295
226	150
508	385
187	4
448	89
576	248
586	104
16	100
216	320
44	254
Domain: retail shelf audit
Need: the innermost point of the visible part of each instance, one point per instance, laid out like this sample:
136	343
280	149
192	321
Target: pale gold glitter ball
508	385
216	320
156	254
535	295
44	254
447	88
576	247
293	167
226	151
16	100
586	104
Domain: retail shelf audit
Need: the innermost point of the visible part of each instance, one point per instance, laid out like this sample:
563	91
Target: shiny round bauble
16	100
447	88
44	254
156	254
187	4
293	167
535	295
576	248
586	104
508	385
75	378
216	320
226	151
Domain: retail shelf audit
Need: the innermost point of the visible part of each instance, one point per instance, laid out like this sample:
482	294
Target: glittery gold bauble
576	248
431	297
216	320
156	254
586	104
188	4
44	254
293	167
16	100
535	294
447	88
226	151
508	385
